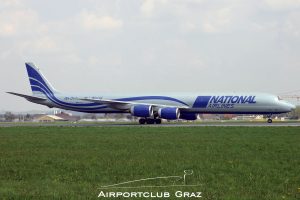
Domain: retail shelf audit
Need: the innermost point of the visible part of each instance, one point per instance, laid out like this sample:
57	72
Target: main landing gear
149	121
269	118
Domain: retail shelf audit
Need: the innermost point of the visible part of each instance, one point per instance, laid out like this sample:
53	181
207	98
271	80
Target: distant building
210	117
68	117
36	116
49	118
248	117
228	116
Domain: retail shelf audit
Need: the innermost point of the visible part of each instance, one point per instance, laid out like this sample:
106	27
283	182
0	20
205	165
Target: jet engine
141	111
169	113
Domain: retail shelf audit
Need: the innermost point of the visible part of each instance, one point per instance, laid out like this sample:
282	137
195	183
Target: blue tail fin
40	86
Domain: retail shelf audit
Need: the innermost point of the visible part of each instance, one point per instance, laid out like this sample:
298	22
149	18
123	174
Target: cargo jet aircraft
152	108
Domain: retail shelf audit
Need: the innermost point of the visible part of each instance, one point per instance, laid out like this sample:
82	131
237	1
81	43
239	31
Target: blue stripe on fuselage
75	106
201	101
49	93
152	98
40	85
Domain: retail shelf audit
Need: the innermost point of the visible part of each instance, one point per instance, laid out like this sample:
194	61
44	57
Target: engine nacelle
141	111
188	116
169	113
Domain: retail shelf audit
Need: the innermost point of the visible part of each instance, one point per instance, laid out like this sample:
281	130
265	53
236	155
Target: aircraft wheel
150	121
142	121
157	121
269	121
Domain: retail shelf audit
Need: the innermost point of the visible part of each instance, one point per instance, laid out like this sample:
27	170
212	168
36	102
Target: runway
213	124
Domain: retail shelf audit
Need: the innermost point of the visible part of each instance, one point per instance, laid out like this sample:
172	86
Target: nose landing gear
269	118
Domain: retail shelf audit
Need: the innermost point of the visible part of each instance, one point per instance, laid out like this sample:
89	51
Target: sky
150	46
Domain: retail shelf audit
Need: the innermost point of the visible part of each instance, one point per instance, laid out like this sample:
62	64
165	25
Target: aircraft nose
288	107
292	107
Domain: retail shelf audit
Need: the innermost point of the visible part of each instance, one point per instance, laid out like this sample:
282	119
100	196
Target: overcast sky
127	46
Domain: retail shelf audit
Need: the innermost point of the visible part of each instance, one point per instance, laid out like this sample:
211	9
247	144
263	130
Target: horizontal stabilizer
33	98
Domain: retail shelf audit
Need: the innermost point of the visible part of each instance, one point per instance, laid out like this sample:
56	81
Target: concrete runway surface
204	124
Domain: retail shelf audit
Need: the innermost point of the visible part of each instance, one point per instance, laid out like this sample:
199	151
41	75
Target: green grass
72	163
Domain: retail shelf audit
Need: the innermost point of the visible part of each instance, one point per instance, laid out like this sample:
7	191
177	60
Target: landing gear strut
142	121
149	121
157	121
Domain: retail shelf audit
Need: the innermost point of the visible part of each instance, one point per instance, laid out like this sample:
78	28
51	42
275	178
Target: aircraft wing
126	104
29	98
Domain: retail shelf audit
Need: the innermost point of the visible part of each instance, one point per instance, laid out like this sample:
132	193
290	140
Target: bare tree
9	117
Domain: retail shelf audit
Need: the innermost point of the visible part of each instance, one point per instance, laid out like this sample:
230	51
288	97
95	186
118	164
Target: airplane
151	109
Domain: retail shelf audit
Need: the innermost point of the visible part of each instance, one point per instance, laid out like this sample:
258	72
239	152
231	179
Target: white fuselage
240	103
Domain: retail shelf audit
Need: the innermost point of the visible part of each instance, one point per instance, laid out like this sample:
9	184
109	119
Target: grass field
72	163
